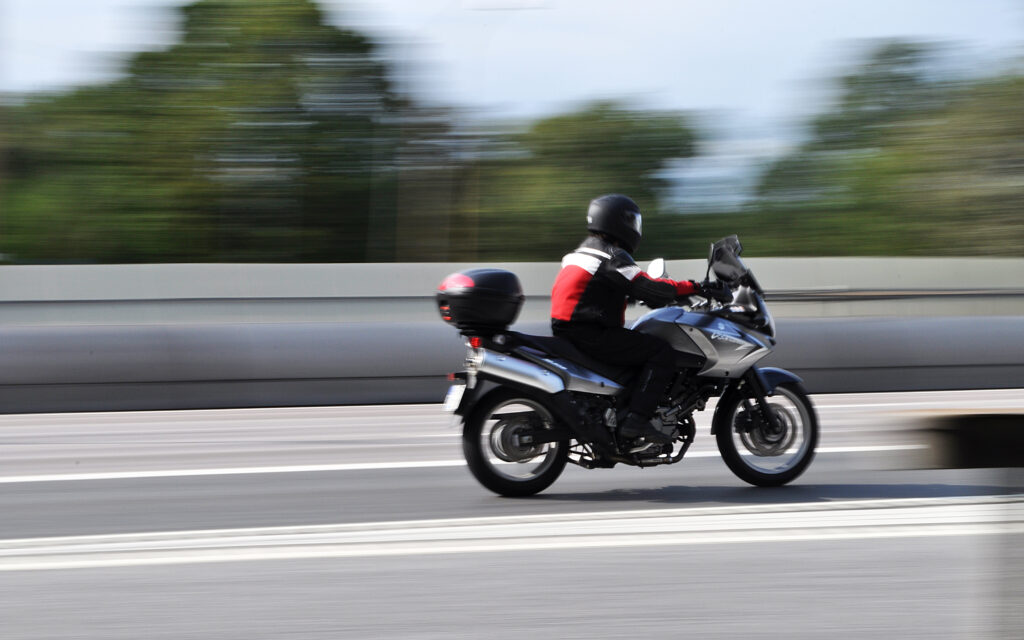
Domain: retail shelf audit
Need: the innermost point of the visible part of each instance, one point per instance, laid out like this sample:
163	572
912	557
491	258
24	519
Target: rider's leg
624	347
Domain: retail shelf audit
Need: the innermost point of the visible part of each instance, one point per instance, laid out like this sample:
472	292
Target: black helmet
617	216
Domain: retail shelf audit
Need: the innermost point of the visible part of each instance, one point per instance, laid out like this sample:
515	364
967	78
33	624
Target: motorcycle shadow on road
805	493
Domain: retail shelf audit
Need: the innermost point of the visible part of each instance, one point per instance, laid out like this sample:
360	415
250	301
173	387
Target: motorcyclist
589	299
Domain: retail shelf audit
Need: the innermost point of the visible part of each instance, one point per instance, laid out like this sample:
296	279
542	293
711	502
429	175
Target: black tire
491	464
790	401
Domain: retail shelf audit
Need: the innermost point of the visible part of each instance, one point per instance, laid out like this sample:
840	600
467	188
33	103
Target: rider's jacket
597	281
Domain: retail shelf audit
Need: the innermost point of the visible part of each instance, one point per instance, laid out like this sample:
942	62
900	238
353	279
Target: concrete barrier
201	336
57	368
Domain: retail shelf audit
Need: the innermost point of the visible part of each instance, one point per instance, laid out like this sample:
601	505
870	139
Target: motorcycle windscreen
725	260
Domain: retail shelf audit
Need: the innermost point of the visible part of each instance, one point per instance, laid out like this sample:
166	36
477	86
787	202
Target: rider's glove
715	290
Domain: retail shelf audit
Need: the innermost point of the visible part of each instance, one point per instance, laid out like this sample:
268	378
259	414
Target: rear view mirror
657	268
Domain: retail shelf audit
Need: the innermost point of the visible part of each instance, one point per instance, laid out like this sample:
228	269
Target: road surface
357	522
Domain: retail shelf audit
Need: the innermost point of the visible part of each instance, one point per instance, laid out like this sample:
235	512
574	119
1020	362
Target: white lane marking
1014	403
353	466
915	517
231	471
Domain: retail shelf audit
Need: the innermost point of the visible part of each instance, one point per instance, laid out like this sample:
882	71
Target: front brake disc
761	440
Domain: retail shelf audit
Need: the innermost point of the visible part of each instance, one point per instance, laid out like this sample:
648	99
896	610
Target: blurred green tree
527	199
264	134
268	135
911	161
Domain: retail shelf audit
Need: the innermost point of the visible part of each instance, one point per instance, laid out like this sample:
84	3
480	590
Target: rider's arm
656	292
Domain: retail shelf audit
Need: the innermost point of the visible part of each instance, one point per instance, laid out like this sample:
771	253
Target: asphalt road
356	522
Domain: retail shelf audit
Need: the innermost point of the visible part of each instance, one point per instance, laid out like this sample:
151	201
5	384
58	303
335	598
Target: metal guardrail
836	295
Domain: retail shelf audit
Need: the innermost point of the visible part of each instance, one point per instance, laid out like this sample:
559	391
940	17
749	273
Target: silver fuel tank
730	348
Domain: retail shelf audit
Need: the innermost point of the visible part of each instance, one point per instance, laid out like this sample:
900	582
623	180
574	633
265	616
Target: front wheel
758	453
497	440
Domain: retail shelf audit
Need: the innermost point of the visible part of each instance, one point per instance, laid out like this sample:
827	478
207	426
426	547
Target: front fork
755	387
752	387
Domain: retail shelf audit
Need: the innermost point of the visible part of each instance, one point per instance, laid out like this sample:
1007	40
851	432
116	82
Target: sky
526	57
754	69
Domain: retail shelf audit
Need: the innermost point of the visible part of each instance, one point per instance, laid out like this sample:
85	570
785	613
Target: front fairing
727	348
749	310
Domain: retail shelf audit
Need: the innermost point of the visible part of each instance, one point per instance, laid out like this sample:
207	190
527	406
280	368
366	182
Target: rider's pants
620	346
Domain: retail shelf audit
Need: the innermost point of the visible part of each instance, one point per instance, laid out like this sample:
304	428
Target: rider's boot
636	426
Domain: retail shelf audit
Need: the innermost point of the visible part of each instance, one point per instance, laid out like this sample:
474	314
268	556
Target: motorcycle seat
562	348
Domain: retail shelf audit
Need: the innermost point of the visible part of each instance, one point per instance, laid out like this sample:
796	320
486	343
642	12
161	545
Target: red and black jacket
598	279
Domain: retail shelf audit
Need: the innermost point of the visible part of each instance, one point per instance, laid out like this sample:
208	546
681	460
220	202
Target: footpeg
644	447
636	427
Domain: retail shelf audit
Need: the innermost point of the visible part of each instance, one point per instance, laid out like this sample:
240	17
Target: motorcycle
531	404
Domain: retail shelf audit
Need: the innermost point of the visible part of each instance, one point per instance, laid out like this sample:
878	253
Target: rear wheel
497	440
763	455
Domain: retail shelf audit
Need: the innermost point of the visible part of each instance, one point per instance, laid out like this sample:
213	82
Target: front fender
768	377
772	377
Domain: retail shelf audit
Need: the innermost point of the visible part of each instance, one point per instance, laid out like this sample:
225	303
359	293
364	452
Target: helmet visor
637	224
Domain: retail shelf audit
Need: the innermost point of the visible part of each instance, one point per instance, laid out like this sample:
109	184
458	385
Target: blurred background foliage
266	135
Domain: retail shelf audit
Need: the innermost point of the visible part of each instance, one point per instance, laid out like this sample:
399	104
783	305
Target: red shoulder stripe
572	280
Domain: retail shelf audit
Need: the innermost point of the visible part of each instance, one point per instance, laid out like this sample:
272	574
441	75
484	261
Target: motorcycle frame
534	380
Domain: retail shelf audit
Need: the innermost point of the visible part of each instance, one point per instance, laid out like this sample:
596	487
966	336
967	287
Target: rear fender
471	396
486	384
560	404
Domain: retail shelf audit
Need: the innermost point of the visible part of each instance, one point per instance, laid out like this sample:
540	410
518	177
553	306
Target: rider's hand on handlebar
715	290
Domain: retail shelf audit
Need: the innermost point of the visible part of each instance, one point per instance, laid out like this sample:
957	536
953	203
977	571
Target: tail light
456	281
